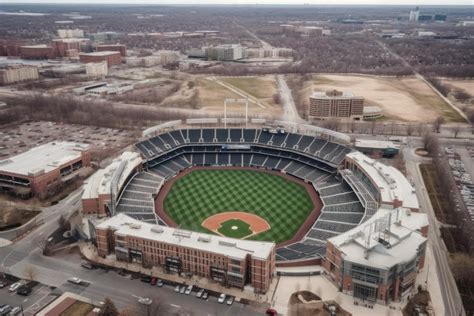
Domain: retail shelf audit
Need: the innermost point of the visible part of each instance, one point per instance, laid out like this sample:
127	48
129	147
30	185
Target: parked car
271	312
14	286
5	309
86	264
3	284
145	301
182	289
205	295
15	311
159	283
177	288
230	300
199	293
153	281
146	279
189	289
24	290
74	280
221	298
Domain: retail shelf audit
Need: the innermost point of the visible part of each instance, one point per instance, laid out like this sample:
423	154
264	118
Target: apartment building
10	74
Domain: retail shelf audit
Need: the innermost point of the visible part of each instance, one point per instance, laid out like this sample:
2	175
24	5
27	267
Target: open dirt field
212	93
466	85
403	99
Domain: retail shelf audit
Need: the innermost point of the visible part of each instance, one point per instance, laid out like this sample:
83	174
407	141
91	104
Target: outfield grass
242	229
282	203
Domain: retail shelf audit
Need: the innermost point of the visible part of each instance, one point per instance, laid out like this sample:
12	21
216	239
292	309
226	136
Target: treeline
85	112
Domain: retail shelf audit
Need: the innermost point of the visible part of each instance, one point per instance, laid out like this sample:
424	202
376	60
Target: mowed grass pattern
282	203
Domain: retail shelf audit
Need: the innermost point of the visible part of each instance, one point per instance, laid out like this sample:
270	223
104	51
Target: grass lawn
259	87
235	228
282	203
78	309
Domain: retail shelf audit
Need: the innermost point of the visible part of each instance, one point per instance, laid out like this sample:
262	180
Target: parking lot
17	139
39	297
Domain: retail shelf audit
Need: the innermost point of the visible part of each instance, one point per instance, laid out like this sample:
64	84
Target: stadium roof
235	248
392	184
99	182
399	230
43	158
376	144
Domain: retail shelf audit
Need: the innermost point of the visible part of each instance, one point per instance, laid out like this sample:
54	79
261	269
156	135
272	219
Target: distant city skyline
252	2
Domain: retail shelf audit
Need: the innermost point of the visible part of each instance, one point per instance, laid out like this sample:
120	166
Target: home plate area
236	224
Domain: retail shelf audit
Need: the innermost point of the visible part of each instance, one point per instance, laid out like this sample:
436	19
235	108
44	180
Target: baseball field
244	199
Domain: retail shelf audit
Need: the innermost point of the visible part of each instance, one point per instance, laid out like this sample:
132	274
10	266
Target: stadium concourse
352	187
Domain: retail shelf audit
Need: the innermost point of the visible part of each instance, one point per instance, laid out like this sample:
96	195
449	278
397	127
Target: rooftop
35	46
391	183
399	241
372	143
43	158
333	94
235	248
120	168
104	53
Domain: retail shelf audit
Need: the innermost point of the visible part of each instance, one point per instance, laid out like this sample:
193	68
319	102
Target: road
290	113
451	298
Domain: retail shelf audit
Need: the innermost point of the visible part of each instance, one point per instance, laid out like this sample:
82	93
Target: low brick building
37	52
37	170
113	48
112	58
230	262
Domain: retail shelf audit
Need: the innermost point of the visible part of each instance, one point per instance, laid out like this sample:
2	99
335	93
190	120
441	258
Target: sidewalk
90	253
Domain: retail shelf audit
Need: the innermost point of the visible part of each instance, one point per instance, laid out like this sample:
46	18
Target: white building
414	15
70	33
17	73
168	56
97	69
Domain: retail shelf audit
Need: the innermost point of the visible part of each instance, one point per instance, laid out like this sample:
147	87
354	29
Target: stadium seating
309	158
137	200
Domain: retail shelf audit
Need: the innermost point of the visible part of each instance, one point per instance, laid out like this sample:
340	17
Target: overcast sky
252	2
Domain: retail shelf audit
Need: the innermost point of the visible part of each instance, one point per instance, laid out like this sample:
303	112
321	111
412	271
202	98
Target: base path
257	224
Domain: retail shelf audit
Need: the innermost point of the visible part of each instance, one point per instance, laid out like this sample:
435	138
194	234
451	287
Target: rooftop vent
227	243
135	226
157	230
204	238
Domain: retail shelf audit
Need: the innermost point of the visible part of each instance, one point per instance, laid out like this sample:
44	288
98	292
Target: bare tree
430	142
373	126
456	129
437	123
45	246
108	309
30	272
410	129
276	98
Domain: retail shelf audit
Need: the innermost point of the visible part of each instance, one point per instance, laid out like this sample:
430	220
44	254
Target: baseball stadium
290	195
260	184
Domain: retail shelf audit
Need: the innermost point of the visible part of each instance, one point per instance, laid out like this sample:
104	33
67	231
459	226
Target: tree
430	142
30	272
410	129
108	309
437	123
456	129
63	223
45	246
276	98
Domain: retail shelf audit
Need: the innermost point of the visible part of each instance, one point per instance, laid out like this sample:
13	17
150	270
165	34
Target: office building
335	104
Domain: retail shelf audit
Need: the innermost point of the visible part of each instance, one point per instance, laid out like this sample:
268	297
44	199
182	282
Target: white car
177	288
15	286
230	300
75	280
145	301
199	293
221	298
189	289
